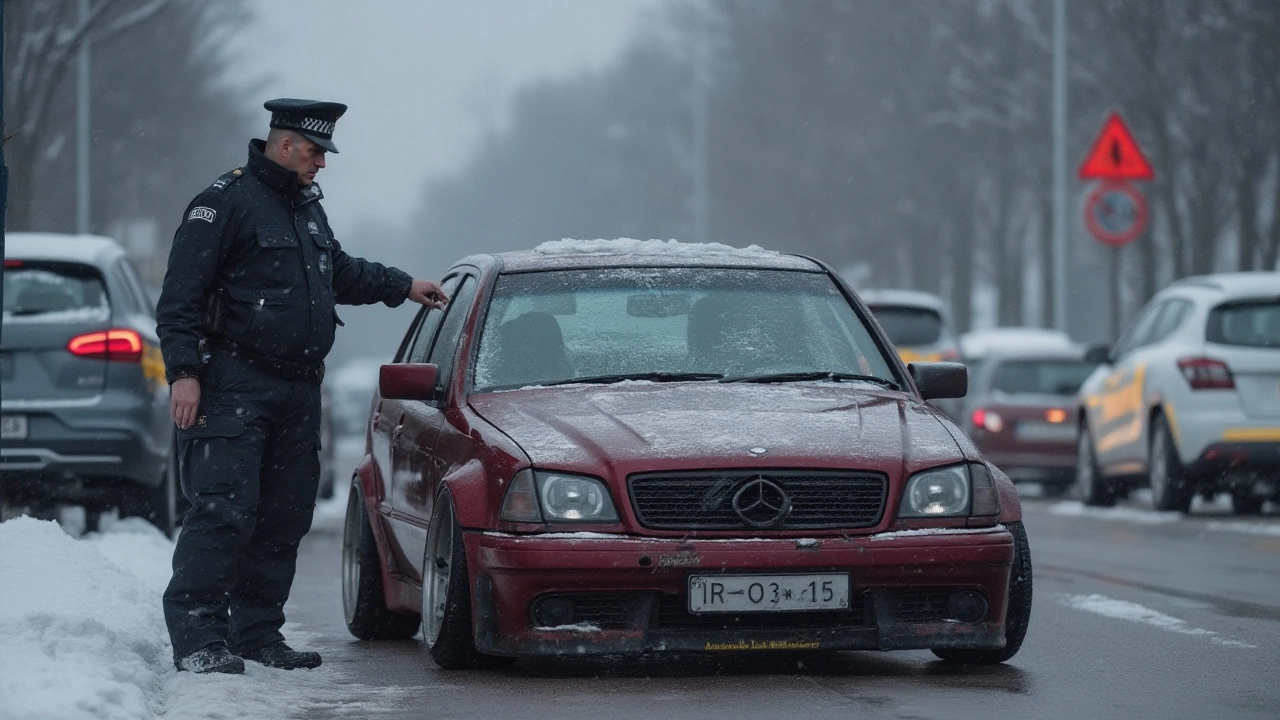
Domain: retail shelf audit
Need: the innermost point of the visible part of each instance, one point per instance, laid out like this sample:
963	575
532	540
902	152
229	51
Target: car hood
615	430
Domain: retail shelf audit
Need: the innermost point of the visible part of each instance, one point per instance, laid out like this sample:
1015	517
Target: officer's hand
184	401
427	292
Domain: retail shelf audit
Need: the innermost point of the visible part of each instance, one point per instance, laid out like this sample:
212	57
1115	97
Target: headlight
538	496
954	491
943	492
574	498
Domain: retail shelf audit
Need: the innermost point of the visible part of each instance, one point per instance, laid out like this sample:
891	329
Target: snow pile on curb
82	632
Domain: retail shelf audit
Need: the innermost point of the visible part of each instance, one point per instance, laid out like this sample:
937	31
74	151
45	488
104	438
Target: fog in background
906	143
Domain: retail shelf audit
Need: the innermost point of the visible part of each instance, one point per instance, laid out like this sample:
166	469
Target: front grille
916	606
704	500
673	614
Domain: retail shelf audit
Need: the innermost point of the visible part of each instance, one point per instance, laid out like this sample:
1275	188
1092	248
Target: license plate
1045	432
768	593
13	427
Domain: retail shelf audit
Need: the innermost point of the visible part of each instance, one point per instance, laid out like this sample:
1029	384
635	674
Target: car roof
988	341
94	249
1040	353
571	254
905	298
1232	285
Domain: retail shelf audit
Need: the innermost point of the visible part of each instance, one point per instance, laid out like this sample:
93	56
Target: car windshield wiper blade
652	376
802	376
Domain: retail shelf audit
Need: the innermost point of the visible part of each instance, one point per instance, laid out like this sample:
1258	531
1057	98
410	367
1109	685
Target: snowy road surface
1137	615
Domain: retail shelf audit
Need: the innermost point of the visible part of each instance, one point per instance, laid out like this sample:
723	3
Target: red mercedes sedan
626	447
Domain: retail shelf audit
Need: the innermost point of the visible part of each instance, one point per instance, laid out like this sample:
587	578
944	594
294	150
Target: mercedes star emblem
761	503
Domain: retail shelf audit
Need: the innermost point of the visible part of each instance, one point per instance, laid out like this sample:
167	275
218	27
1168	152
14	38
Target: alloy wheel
351	556
436	572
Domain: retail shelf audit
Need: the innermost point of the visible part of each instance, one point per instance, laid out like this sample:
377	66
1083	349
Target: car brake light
123	345
987	420
13	263
1204	373
1055	415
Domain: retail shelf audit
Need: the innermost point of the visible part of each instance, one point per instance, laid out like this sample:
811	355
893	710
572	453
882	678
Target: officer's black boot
213	658
279	655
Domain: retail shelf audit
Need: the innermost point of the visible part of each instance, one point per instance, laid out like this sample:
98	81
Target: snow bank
629	246
1133	612
80	635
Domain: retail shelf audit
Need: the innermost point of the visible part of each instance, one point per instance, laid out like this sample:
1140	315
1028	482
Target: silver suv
1188	401
85	402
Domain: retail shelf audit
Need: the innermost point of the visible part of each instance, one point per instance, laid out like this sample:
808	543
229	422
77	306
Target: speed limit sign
1116	213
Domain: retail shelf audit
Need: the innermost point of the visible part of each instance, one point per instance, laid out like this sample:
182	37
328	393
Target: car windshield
669	324
1041	377
54	292
909	326
1255	324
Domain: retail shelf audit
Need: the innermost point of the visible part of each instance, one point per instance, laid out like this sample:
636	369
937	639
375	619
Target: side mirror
940	379
408	381
1099	354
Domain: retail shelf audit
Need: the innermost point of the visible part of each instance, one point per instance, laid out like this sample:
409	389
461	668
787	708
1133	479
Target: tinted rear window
908	325
1253	324
54	292
1041	377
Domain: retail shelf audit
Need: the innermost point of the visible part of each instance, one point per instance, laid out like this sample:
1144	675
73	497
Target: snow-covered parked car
1188	401
629	447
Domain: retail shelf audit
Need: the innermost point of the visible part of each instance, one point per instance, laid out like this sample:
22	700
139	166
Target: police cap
311	119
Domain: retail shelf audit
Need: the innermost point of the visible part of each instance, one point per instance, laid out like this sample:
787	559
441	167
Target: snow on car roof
628	252
1016	340
60	246
905	298
1234	284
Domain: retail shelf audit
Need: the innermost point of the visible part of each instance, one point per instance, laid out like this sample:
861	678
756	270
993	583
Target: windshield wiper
652	376
802	376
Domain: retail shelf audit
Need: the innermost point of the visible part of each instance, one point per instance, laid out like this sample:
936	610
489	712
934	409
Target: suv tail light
123	345
988	420
1204	373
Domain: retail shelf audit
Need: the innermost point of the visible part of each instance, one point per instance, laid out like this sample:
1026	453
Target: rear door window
50	292
909	326
1250	324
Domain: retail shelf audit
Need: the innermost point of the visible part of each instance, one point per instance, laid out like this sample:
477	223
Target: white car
1188	401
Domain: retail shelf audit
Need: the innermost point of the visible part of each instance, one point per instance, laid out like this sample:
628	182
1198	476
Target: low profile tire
1017	615
446	596
1244	502
1170	489
1090	487
364	603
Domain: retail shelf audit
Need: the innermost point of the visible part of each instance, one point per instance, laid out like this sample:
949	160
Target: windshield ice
550	327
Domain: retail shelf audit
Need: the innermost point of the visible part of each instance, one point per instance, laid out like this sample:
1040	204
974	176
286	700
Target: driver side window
417	350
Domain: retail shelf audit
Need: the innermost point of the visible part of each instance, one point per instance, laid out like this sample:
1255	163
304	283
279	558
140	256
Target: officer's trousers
250	469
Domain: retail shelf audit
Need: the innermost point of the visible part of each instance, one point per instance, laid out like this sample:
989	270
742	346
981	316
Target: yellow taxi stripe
1251	434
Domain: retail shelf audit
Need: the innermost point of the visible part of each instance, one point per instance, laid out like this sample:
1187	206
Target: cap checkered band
320	127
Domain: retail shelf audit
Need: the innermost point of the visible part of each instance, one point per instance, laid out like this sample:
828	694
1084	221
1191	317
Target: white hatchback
1188	400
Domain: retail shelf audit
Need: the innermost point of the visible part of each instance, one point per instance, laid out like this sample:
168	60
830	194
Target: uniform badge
202	213
324	263
312	227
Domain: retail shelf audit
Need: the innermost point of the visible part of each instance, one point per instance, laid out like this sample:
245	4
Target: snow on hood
627	427
629	246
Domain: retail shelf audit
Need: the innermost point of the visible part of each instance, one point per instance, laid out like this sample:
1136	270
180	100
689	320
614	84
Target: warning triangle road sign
1115	155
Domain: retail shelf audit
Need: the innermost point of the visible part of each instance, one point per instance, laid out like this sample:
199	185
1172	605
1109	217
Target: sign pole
1117	257
1061	258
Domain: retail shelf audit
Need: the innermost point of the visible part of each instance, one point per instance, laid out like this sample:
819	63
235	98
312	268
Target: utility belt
275	367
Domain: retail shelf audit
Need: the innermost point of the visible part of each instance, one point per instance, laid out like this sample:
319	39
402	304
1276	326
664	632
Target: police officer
245	319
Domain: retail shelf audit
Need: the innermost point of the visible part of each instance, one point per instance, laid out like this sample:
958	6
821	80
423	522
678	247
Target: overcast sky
423	78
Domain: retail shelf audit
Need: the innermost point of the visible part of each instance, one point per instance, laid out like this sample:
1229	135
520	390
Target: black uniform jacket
255	263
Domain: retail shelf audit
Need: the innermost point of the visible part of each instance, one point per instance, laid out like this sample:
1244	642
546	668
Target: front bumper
636	587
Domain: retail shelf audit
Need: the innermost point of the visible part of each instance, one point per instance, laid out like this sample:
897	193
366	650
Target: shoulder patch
202	213
227	178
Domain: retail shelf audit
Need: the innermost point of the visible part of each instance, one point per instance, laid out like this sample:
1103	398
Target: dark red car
631	447
1022	413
